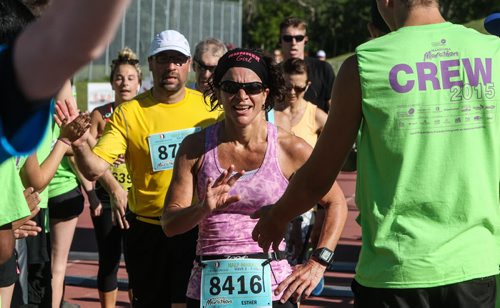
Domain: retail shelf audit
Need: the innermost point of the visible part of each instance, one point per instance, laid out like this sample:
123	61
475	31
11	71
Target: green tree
336	26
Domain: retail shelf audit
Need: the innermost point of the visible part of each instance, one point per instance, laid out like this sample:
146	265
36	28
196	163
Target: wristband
63	140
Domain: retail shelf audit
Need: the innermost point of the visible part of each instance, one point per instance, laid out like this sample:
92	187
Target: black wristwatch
323	256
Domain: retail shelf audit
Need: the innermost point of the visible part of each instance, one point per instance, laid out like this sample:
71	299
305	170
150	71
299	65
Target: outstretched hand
269	230
119	208
32	199
73	124
28	228
66	111
217	192
302	281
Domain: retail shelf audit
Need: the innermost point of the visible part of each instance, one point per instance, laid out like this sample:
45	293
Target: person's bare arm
294	152
95	123
306	277
320	119
7	242
90	165
119	199
179	215
318	174
29	227
32	201
63	35
38	175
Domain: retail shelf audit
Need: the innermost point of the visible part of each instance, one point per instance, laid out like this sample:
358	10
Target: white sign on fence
98	94
101	93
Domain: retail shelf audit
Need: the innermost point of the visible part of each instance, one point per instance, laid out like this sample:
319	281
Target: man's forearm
90	165
335	218
109	182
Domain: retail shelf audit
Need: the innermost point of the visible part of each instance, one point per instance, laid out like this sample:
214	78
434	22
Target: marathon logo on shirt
442	75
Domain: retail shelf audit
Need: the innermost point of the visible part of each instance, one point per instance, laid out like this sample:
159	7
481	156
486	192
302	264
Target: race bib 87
164	146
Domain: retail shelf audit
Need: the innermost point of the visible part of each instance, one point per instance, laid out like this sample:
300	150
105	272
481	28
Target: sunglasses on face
289	38
250	88
167	59
297	89
204	67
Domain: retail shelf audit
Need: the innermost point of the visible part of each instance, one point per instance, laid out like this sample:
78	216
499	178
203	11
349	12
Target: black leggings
194	303
109	245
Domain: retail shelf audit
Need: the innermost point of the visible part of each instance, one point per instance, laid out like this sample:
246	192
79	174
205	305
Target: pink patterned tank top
229	231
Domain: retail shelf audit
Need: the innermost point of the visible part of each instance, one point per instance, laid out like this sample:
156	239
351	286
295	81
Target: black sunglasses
204	67
167	59
289	38
250	88
297	89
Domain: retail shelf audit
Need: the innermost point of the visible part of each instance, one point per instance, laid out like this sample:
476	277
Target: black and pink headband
241	57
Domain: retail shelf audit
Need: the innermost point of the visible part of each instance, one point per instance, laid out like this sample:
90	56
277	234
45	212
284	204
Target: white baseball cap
169	40
321	54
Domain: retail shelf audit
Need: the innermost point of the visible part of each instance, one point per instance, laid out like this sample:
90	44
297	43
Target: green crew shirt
429	157
65	179
13	205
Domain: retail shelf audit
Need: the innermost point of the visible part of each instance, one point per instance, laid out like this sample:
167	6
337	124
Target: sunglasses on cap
289	38
232	87
204	67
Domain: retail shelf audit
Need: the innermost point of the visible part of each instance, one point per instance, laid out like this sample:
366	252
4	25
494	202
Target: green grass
337	61
477	24
81	94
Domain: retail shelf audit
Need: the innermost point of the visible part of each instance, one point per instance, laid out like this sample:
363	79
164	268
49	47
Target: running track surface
81	272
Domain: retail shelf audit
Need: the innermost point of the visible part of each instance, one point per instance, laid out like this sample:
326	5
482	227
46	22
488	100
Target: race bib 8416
236	283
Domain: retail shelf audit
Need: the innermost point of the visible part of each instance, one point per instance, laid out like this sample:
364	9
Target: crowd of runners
222	193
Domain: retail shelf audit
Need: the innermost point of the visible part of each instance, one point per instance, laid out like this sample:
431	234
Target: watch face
325	255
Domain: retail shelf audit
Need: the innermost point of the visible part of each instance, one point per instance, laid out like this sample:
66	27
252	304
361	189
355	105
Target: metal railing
196	19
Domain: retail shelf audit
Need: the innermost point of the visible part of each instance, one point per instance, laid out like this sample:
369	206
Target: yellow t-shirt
130	131
307	127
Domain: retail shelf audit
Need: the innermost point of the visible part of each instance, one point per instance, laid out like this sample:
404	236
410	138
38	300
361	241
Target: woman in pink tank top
234	169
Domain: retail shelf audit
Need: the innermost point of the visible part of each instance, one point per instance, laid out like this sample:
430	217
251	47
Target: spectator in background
206	55
293	38
305	120
321	55
277	56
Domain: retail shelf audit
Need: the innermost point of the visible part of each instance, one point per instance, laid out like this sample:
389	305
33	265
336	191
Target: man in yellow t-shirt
149	130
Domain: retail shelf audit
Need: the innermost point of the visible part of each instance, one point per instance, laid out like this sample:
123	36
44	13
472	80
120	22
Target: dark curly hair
275	83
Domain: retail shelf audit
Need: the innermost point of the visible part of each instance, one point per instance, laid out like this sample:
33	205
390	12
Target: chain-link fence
196	19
